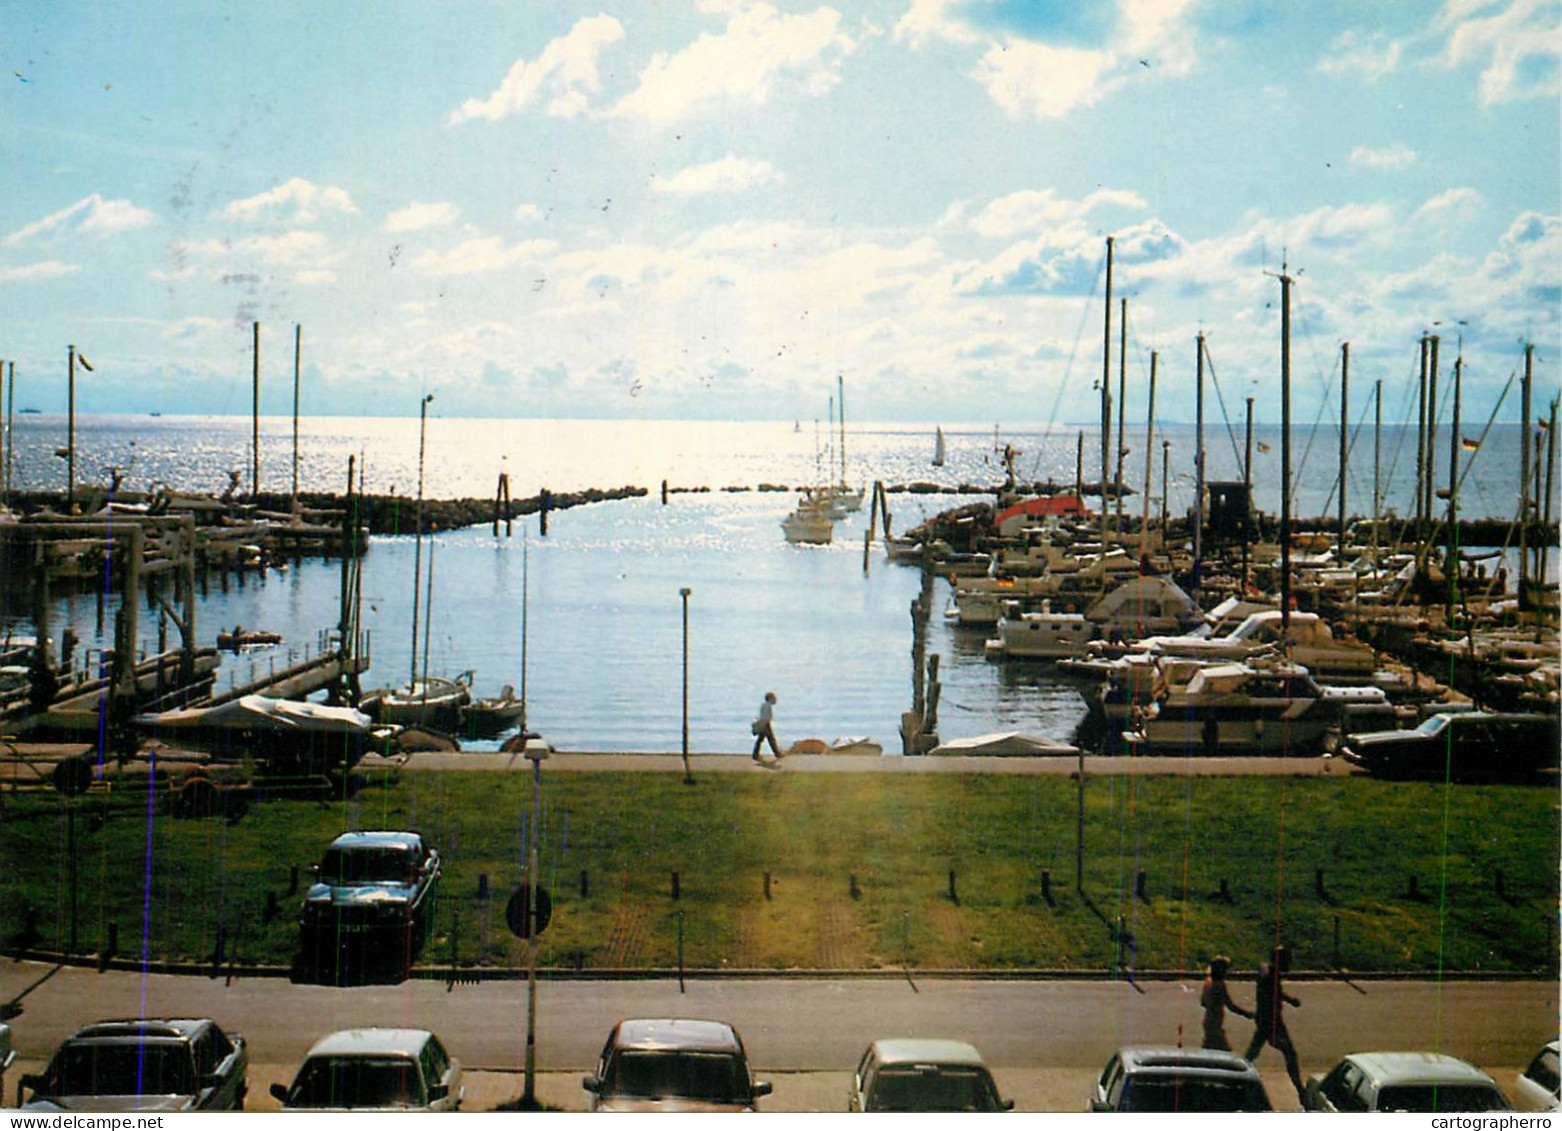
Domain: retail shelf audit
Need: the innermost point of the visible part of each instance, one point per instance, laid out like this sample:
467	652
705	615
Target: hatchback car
909	1074
371	905
1403	1081
1152	1078
375	1070
673	1065
1539	1087
172	1064
1462	746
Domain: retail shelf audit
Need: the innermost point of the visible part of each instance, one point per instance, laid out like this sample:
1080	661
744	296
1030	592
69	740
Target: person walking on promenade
1216	999
1268	1023
763	729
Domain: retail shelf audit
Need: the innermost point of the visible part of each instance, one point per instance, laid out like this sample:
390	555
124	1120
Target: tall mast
1198	463
1421	451
1377	465
298	345
1431	432
1247	489
1122	403
1106	393
1524	470
1451	558
840	395
70	430
417	546
1149	447
254	476
1344	434
1285	451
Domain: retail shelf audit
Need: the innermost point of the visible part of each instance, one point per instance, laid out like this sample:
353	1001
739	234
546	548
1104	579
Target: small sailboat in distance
938	448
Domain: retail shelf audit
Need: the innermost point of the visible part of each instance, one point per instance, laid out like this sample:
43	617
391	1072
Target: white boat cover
257	712
1009	743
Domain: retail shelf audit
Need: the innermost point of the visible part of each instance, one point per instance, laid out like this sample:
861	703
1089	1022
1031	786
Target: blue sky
709	209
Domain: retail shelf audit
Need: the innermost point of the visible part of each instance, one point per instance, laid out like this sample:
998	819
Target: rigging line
1312	434
1350	450
1068	369
1209	359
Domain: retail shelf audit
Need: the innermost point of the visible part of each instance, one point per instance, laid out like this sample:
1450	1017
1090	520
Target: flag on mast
85	364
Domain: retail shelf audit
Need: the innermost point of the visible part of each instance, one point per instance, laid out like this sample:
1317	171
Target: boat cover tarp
1009	743
258	712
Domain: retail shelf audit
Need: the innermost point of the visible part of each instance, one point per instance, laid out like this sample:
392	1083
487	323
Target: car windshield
367	866
940	1089
358	1081
124	1070
1192	1093
1447	1097
652	1074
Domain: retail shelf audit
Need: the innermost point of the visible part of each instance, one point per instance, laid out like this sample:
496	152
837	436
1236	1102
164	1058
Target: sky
712	208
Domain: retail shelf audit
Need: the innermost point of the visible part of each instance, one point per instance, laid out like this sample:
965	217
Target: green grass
860	871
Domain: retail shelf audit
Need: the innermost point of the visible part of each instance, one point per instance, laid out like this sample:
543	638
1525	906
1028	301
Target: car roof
372	1042
921	1050
383	839
1153	1058
143	1028
676	1033
1391	1068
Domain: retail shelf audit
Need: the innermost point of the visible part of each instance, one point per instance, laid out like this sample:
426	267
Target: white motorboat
808	526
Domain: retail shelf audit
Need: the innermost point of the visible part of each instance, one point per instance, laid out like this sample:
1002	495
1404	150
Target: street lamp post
535	753
688	775
417	546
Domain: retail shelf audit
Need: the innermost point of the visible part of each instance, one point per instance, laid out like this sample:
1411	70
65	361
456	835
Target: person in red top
1216	999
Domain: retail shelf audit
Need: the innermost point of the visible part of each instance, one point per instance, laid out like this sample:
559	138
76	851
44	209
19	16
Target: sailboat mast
298	345
1421	451
1198	464
1431	432
525	592
1247	489
1524	471
1377	465
417	545
1344	433
1149	448
840	395
1285	452
1122	404
1451	558
1106	393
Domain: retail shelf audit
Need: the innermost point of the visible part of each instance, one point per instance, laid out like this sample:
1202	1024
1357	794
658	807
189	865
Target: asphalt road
1044	1039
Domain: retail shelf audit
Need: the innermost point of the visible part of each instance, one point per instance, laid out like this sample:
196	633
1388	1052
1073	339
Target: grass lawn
866	871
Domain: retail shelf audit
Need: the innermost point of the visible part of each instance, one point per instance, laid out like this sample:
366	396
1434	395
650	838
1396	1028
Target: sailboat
938	447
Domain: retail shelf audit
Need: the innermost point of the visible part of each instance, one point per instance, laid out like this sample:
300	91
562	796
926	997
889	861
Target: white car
375	1070
1404	1081
1537	1086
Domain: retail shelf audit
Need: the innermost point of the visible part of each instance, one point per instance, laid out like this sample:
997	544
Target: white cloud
929	20
742	63
1034	209
1455	204
417	216
1396	156
529	214
102	217
1036	80
33	272
315	277
1517	47
287	248
480	255
1371	54
297	201
564	75
729	174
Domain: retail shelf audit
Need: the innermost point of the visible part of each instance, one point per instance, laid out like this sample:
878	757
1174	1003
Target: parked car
1403	1081
371	905
375	1070
1155	1078
909	1074
169	1064
673	1065
1537	1086
1462	746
